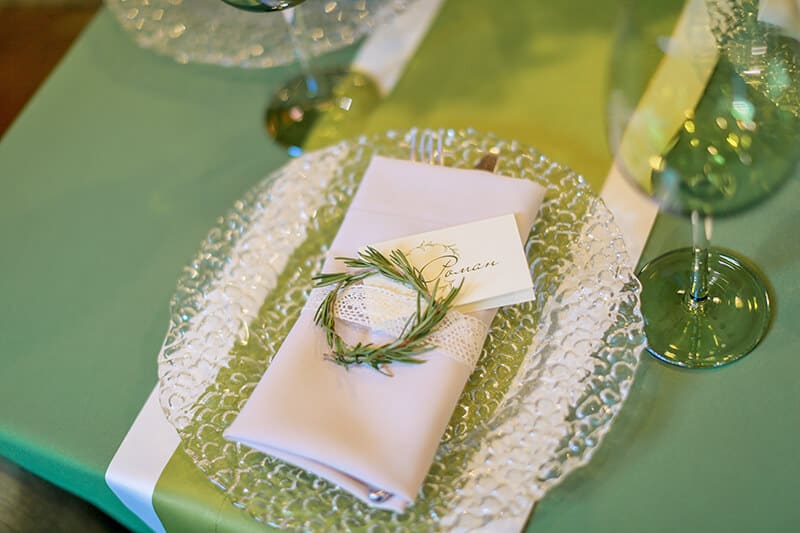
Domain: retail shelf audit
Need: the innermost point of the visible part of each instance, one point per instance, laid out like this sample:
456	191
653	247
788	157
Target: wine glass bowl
702	118
728	154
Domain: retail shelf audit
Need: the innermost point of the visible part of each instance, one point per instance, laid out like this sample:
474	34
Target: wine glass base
334	103
724	327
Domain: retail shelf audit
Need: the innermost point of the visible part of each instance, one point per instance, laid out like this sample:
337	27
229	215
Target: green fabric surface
119	165
109	180
530	71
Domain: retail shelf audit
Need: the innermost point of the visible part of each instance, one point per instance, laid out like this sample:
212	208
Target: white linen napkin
360	429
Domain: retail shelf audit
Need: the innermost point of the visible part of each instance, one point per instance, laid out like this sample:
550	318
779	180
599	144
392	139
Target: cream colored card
487	255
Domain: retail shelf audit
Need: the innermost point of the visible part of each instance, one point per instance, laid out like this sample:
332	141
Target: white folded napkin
362	430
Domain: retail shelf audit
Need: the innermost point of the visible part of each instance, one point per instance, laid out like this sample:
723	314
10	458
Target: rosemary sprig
412	341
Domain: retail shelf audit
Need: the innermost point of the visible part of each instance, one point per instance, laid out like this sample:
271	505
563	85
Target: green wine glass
704	117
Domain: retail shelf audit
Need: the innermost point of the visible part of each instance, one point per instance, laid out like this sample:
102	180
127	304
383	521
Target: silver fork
425	146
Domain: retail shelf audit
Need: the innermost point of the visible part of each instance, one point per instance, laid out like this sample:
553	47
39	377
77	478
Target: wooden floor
32	41
29	504
33	38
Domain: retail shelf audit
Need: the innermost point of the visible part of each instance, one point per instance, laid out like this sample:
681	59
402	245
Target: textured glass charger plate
553	374
210	31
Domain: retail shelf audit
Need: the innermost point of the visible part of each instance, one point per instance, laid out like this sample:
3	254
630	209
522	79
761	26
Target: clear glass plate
552	376
210	31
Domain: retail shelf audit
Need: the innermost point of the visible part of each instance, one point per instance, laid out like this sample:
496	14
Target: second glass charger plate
212	32
552	376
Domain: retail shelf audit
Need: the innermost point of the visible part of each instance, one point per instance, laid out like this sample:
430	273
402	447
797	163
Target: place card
487	255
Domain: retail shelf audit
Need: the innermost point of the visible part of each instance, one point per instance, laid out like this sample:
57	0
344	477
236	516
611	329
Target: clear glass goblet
338	93
704	117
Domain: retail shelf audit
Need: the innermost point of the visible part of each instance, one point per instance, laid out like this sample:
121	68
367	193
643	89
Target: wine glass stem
701	233
298	35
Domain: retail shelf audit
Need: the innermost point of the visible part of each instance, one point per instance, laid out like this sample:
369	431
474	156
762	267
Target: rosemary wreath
412	340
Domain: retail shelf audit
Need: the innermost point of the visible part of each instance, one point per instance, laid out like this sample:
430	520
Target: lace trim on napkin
387	310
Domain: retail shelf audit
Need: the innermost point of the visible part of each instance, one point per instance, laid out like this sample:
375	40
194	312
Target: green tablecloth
115	171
